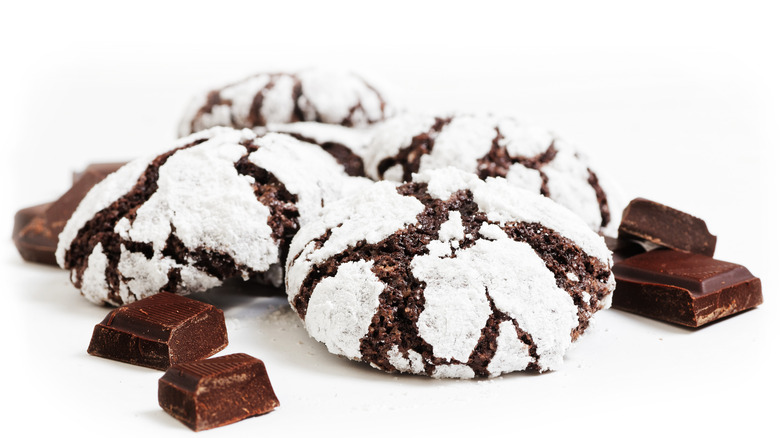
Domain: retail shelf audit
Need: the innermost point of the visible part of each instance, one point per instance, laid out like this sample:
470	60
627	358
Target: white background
678	101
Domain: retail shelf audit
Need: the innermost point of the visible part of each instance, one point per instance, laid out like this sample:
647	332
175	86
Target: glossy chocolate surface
683	288
665	226
209	393
160	331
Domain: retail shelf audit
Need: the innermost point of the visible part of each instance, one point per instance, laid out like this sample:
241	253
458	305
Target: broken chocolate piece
62	209
209	393
34	239
683	288
667	227
160	331
99	169
37	228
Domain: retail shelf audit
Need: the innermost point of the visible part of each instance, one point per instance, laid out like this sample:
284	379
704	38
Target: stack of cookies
448	245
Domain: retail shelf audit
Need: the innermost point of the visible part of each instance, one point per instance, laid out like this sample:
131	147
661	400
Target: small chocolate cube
209	393
160	331
683	288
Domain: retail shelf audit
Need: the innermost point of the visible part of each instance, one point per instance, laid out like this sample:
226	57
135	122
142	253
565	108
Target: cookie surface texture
448	276
346	145
222	203
527	156
314	95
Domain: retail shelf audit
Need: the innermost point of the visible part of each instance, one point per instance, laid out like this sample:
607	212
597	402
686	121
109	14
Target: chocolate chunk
209	393
99	169
37	228
667	227
34	239
160	331
683	288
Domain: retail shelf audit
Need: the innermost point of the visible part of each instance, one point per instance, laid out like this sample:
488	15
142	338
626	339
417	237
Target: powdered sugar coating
503	202
525	290
335	97
355	139
371	215
112	187
208	204
207	218
473	284
313	175
343	307
315	95
526	155
511	354
392	135
94	283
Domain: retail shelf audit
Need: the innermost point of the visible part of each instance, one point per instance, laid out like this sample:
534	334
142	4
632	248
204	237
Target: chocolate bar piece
667	227
37	228
683	288
209	393
159	331
34	239
101	170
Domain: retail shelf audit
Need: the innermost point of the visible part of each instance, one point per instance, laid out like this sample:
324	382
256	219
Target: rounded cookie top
526	155
346	145
448	276
222	203
313	95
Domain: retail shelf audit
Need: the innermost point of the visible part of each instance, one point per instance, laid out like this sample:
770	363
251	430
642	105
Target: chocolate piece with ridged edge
665	226
683	288
209	393
160	331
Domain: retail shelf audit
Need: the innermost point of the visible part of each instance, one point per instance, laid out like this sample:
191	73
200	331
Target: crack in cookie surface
497	161
352	163
529	157
409	157
601	196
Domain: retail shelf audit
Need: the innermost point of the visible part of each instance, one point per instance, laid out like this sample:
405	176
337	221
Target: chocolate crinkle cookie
448	276
527	156
314	95
222	203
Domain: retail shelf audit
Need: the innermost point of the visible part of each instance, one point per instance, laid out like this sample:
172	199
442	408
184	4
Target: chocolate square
160	331
683	288
209	393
